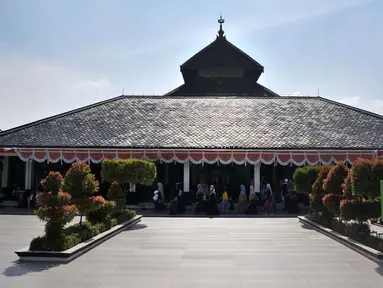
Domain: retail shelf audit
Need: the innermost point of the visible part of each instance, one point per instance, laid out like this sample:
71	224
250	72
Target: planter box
366	251
68	255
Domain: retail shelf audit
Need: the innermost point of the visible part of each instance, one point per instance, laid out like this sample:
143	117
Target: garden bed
72	253
366	251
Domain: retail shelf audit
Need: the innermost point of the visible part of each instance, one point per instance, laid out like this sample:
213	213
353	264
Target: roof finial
220	32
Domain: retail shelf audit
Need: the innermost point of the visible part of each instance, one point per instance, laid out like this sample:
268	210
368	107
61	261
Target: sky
60	55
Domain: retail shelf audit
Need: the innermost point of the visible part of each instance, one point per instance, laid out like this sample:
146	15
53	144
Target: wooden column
4	176
257	177
186	181
28	175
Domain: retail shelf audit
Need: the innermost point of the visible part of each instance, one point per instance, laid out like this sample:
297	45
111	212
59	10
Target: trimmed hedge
331	202
359	210
304	178
366	176
335	179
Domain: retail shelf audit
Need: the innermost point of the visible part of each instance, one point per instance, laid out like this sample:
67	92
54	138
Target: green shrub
361	172
81	184
339	226
102	213
347	187
115	193
377	175
39	244
61	243
125	216
331	203
356	230
335	179
101	227
304	178
317	187
84	231
359	210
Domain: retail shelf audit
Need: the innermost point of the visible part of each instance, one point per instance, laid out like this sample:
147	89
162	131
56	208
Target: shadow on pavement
22	268
138	226
379	269
305	226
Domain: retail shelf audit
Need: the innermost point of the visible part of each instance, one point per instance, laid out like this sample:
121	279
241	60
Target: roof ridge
5	132
351	107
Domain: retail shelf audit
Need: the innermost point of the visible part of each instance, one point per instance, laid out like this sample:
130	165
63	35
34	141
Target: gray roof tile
206	122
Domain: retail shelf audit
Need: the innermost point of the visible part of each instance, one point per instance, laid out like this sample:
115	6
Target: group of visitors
207	202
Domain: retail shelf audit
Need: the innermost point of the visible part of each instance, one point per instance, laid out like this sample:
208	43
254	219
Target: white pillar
186	176
257	177
4	176
28	175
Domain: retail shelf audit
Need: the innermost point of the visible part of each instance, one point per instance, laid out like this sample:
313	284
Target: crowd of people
207	201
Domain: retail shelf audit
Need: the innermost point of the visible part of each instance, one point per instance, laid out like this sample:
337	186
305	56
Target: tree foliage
81	184
335	179
304	178
55	206
116	194
128	172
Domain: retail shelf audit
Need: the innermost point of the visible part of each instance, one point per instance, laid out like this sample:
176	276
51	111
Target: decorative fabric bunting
225	157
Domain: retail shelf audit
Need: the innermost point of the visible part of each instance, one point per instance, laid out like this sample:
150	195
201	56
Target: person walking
269	200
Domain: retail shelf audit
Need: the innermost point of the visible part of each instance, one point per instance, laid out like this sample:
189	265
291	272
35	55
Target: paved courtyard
193	252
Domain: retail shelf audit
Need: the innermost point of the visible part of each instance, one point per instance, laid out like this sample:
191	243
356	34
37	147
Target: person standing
252	209
201	200
269	200
242	200
212	206
224	203
180	200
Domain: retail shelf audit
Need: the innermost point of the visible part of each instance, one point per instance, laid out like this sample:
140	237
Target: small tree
335	179
361	177
304	178
54	207
116	194
316	203
81	184
128	172
347	186
377	175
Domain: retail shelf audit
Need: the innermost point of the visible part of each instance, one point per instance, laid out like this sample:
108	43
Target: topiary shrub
81	184
102	213
359	210
331	203
361	177
56	209
304	178
125	216
335	179
377	175
347	187
116	194
128	172
316	203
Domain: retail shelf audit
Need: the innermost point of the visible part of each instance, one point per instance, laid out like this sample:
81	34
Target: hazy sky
60	55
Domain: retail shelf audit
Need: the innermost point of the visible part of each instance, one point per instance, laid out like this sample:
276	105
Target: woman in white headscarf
269	200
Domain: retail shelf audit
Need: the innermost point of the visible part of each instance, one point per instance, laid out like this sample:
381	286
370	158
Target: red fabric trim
54	156
298	157
68	155
239	156
340	156
182	155
166	155
224	156
40	155
267	157
82	156
151	155
211	156
196	156
96	156
312	157
326	157
138	154
367	156
253	156
284	157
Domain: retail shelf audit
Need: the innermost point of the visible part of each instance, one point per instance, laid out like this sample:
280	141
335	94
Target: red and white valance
239	157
